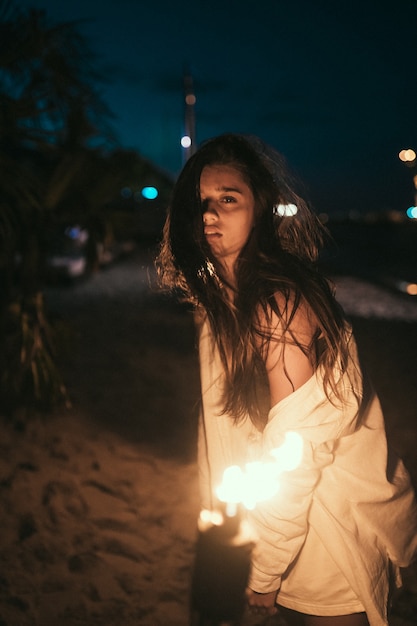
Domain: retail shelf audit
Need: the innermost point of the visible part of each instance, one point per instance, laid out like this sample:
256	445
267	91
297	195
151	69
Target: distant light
285	210
412	289
406	287
190	99
407	155
150	193
76	233
412	212
126	193
73	232
186	141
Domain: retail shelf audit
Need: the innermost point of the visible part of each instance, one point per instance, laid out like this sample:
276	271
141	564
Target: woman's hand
262	603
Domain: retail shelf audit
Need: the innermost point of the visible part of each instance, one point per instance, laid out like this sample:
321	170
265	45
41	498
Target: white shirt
356	497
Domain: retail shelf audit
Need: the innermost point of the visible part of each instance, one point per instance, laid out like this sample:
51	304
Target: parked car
67	255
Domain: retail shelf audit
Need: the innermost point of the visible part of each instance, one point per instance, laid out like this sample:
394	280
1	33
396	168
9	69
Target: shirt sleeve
281	522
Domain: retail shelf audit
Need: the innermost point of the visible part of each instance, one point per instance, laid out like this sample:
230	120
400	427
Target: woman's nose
209	215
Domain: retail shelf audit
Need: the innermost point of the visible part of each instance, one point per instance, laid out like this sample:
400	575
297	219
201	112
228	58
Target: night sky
331	85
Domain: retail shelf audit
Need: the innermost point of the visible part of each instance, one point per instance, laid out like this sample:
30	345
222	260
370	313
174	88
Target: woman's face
228	212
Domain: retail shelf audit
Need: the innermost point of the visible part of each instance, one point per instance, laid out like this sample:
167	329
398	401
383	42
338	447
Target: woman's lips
211	234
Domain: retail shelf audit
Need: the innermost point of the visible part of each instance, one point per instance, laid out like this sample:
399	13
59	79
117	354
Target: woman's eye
229	199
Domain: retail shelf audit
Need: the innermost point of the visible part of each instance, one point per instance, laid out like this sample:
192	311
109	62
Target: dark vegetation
60	165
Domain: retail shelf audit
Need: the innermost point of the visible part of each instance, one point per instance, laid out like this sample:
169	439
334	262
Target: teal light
150	193
412	212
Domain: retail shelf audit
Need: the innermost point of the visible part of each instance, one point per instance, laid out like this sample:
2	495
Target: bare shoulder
293	320
288	336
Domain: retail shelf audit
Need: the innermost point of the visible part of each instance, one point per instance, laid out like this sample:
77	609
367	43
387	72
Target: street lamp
188	140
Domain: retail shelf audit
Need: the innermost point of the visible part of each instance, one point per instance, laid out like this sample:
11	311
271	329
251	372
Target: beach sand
99	502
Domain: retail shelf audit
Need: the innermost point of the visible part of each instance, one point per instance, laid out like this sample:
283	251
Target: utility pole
188	140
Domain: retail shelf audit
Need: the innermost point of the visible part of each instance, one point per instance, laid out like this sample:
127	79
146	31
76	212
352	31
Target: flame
259	481
289	455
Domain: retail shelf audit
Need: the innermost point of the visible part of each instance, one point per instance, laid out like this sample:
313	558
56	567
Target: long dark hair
279	257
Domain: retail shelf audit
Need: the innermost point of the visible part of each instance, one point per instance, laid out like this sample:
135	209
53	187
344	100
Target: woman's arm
281	523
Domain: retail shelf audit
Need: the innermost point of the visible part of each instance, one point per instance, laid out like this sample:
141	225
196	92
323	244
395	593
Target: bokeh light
126	193
190	99
150	193
412	212
407	156
412	289
186	141
285	210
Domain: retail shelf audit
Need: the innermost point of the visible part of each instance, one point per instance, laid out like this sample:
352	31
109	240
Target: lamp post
188	140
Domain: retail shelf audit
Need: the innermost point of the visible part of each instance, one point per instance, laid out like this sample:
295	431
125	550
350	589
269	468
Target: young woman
277	355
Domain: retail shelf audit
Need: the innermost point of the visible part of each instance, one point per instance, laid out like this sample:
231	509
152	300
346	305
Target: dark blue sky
331	85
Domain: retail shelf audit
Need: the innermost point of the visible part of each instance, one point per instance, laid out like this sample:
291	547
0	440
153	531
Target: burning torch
225	538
